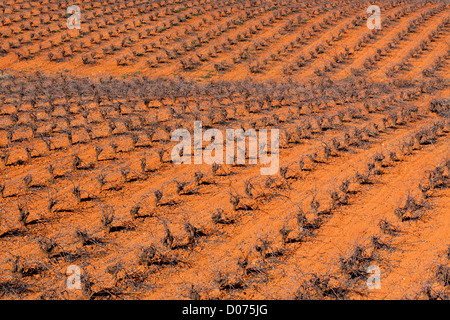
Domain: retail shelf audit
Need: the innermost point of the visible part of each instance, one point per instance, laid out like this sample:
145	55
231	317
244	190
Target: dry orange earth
330	80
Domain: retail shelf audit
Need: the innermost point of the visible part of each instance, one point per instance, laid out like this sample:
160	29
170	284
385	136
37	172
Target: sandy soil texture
88	182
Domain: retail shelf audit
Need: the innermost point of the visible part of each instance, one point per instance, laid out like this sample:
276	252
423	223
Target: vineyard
87	179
